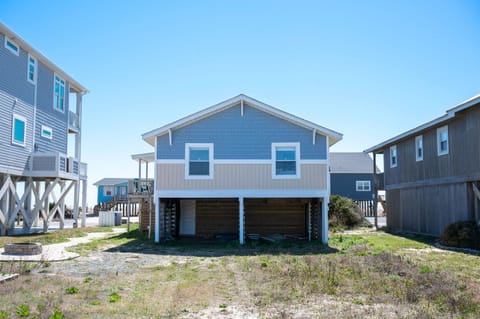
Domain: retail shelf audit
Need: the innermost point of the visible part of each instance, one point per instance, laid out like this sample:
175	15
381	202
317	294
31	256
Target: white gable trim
149	137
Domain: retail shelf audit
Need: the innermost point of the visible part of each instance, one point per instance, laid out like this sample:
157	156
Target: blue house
117	189
40	105
241	168
351	175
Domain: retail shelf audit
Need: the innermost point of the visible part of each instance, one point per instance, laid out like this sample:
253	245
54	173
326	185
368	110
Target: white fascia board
244	193
147	157
149	137
77	87
465	104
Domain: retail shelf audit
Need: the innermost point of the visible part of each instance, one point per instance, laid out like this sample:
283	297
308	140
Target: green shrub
464	234
343	212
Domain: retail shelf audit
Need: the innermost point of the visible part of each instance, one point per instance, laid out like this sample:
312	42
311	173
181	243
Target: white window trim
35	68
64	91
297	161
392	148
418	138
210	160
24	120
17	52
440	130
110	188
46	128
363	183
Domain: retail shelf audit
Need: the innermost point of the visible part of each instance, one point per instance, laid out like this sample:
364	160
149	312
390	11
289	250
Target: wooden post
309	220
241	214
375	191
149	216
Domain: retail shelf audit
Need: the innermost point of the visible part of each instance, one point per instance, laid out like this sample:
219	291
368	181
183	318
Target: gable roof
111	181
450	114
74	85
351	162
243	99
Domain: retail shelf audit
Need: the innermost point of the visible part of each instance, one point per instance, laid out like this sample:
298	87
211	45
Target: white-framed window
46	132
362	186
442	140
198	160
393	156
12	46
107	190
419	148
58	93
32	70
19	130
286	160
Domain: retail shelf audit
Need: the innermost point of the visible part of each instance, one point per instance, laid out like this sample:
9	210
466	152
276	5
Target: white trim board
246	193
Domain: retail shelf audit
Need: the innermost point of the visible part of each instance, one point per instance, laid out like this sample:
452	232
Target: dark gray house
432	171
351	175
40	106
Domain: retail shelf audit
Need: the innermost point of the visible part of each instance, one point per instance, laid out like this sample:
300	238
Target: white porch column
157	219
325	202
78	136
84	203
62	205
76	197
241	214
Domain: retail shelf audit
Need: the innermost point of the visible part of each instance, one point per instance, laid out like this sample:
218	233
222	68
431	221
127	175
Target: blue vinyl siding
13	155
59	140
13	73
237	137
345	185
100	197
45	94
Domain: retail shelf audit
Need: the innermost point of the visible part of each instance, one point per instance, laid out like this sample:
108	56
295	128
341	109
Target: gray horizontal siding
13	155
13	73
60	135
241	137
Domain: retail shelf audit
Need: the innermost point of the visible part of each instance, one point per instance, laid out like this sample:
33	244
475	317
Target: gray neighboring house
432	172
351	175
40	105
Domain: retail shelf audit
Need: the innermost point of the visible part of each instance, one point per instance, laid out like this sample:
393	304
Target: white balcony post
78	136
325	220
84	203
241	214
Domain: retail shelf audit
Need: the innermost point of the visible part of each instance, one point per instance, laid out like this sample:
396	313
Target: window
32	69
46	132
199	161
419	148
12	46
393	156
107	190
19	130
363	186
59	94
286	160
442	140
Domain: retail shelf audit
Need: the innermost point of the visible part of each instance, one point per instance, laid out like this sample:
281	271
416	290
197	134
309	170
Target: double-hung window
442	140
419	148
12	46
32	69
362	186
19	130
286	160
199	161
59	94
393	156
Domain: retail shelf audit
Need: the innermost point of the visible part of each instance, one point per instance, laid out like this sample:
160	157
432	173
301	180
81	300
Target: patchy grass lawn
377	275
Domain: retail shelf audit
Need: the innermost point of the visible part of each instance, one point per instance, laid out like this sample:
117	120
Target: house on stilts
40	106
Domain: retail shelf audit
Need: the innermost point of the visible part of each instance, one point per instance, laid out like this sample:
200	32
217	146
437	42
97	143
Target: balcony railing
57	165
73	122
140	186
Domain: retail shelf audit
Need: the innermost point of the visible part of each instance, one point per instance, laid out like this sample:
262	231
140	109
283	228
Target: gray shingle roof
352	162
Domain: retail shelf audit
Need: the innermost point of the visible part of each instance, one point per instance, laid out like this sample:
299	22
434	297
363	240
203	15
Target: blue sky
367	69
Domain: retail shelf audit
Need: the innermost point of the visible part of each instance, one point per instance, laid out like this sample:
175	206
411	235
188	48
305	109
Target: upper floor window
19	130
107	190
46	132
12	46
362	186
32	69
442	140
393	156
286	160
59	93
199	160
419	148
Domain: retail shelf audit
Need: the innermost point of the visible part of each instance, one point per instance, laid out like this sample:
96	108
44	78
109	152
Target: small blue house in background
351	175
118	189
